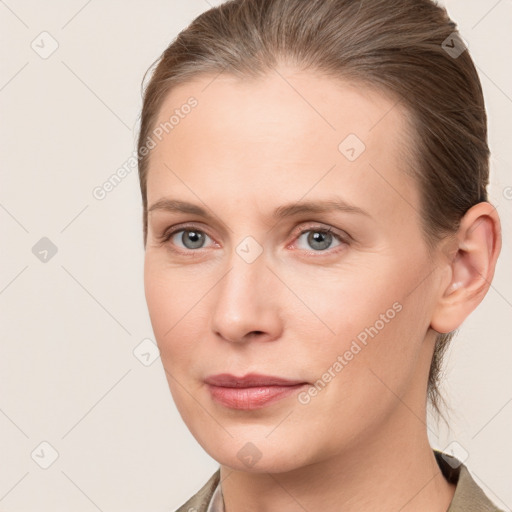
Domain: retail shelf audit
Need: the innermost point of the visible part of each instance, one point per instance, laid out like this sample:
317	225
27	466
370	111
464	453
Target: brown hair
409	48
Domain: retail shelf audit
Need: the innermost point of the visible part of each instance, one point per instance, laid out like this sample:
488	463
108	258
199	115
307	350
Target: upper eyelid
340	234
183	227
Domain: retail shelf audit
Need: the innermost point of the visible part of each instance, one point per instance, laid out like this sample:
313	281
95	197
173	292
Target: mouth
252	391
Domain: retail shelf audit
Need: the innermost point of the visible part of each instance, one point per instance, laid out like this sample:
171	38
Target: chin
272	464
254	453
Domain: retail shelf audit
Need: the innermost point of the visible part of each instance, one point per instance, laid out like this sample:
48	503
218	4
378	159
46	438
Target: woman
316	227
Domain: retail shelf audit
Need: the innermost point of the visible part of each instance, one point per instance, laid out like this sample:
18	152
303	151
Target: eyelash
344	240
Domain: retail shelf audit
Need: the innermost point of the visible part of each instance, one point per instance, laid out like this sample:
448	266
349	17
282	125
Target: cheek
371	357
359	319
177	312
340	303
174	305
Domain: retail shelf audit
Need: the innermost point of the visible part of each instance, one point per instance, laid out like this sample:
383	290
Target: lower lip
251	398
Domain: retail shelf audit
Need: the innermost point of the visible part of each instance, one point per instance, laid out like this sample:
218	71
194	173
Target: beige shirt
468	496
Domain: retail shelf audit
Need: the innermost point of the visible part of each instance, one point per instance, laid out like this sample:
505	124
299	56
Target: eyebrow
287	210
325	206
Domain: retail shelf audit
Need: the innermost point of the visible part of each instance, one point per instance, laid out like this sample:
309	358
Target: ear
469	269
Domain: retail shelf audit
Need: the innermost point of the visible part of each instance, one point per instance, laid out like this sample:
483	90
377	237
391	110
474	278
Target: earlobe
471	269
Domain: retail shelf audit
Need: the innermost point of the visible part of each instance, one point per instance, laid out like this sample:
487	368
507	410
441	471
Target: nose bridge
242	303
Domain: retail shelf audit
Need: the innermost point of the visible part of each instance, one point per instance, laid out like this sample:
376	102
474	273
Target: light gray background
69	326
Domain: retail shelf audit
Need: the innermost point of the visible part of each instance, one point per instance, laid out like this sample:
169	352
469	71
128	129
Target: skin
248	148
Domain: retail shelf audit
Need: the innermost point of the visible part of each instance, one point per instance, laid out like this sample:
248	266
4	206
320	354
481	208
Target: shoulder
200	501
468	497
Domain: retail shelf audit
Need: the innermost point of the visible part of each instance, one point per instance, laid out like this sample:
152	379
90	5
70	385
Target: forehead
281	136
306	102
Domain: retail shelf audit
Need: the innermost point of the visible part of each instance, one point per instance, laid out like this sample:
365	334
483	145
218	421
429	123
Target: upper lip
250	380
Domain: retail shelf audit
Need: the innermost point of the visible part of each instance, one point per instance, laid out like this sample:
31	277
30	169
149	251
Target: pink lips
251	391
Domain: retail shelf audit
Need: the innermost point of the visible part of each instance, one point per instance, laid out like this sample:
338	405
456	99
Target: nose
245	303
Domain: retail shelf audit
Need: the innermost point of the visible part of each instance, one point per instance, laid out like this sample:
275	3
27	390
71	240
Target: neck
394	469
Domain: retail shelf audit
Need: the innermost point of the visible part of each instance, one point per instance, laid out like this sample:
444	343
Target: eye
318	239
188	239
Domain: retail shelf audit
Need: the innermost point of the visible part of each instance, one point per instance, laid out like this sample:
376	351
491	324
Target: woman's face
243	278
